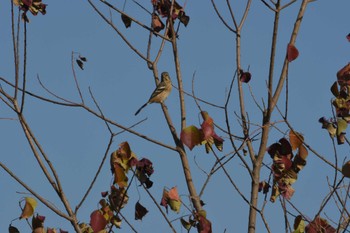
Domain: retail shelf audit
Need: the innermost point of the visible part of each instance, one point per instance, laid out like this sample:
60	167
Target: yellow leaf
29	207
175	205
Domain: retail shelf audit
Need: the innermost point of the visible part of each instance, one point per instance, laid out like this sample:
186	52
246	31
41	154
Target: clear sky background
121	83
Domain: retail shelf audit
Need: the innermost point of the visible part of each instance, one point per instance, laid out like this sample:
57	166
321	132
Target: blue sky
121	82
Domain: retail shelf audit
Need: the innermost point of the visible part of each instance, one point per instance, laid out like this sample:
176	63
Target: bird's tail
138	111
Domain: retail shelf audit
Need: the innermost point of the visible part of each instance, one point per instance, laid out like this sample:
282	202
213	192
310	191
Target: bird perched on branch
161	92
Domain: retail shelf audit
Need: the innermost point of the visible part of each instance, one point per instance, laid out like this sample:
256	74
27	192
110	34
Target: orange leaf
120	177
173	194
295	139
292	53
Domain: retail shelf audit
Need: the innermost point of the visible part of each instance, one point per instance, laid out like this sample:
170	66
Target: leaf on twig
319	225
97	221
140	211
13	229
203	225
80	63
292	53
346	169
157	24
245	76
171	198
126	20
29	207
299	225
191	136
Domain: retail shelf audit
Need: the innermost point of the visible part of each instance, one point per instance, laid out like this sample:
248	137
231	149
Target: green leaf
185	224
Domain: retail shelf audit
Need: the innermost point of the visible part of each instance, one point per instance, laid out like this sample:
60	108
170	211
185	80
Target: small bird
161	92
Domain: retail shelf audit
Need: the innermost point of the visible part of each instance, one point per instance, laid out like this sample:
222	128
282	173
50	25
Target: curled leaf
245	76
29	207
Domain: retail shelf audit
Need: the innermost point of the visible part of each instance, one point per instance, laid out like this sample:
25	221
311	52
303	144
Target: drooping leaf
121	160
120	177
264	187
334	89
330	126
209	135
292	52
13	229
341	127
204	225
80	63
144	169
185	224
191	136
97	221
38	223
83	59
116	221
319	225
53	230
299	225
29	207
295	139
126	20
346	169
184	19
118	198
140	211
343	75
300	159
157	24
171	198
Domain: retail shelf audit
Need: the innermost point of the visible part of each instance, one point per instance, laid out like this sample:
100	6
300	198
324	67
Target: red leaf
245	76
319	225
348	37
292	53
27	2
204	225
97	221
